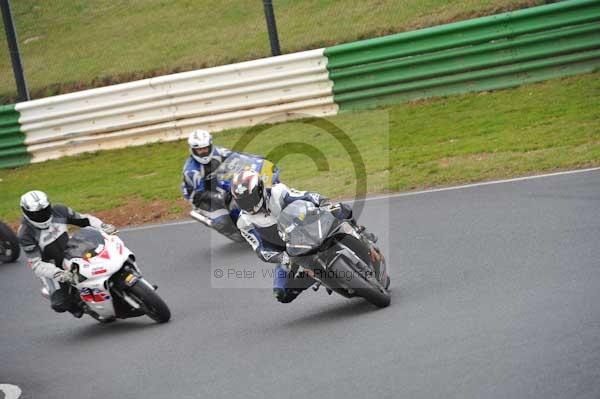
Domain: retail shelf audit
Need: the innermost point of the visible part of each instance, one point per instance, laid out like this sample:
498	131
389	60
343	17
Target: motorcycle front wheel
150	302
372	293
361	285
9	245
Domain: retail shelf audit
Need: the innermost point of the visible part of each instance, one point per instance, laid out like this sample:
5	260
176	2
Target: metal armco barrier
499	51
168	107
480	54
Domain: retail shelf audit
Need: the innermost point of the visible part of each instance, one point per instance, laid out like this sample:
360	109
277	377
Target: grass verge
542	127
70	45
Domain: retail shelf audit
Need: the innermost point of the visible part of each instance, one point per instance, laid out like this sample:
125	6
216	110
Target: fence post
13	48
272	27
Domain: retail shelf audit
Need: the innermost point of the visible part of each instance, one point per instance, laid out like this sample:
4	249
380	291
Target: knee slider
283	295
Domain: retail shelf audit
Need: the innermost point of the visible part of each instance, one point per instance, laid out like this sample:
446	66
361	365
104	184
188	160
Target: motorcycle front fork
315	287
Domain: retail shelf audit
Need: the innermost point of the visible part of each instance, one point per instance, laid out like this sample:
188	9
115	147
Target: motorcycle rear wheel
151	303
9	245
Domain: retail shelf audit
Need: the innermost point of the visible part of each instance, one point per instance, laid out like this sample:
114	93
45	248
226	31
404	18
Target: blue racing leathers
260	230
198	178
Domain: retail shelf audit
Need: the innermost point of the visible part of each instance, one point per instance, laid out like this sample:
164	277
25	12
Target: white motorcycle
108	279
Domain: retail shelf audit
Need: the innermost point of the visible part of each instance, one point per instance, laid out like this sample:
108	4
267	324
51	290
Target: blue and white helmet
36	208
201	147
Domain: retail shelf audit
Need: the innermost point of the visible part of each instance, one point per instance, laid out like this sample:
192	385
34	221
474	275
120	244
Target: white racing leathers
44	248
260	229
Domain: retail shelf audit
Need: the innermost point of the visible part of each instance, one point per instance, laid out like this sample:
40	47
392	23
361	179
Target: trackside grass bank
69	45
536	128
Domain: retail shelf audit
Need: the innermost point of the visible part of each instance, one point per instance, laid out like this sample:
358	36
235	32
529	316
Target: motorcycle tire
152	304
373	294
9	245
363	286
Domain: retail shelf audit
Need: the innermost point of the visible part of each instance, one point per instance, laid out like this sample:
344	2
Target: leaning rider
204	159
261	207
44	235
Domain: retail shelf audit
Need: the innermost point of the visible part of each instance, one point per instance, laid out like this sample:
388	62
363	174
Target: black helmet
247	189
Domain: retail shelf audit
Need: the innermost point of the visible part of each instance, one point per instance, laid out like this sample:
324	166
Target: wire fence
71	45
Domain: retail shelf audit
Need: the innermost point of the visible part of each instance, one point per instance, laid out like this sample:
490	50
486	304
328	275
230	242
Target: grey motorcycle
333	251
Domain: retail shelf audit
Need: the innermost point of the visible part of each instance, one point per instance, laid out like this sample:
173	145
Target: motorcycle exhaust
201	218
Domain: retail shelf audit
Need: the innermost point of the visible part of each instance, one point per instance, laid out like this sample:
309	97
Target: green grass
548	126
69	45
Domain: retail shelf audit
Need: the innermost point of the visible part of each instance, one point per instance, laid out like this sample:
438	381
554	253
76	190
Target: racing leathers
45	248
260	230
198	178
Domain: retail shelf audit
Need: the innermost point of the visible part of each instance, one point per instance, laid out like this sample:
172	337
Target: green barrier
492	52
13	151
490	79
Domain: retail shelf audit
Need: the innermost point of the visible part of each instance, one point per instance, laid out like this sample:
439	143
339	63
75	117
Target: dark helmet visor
248	202
40	216
202	151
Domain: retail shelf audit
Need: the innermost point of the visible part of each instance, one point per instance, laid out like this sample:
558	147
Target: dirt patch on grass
137	212
447	162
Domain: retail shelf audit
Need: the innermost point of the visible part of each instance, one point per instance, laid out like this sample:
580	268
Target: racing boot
76	311
287	284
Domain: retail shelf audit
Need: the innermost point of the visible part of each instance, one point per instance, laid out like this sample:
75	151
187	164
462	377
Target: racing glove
64	276
285	260
108	228
208	200
200	199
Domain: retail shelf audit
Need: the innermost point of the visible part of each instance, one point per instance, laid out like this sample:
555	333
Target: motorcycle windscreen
237	162
304	227
85	243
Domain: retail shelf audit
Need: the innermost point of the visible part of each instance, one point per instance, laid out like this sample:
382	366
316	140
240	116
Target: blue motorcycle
219	211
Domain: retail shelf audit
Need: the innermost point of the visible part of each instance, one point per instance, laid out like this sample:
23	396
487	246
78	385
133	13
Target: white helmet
36	208
201	148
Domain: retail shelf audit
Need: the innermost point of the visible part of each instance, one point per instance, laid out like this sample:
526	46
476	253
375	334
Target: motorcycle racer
261	207
43	234
199	167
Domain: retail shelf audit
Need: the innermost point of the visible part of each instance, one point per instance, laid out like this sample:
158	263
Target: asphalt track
496	294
